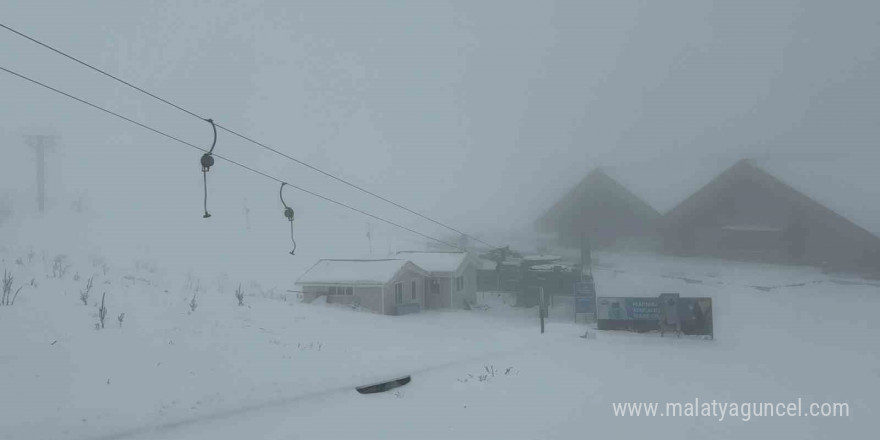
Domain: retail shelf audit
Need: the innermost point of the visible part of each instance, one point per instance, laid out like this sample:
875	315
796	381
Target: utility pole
541	310
40	143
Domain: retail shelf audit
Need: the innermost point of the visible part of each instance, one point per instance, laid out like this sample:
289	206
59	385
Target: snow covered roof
435	261
351	272
486	264
550	268
542	258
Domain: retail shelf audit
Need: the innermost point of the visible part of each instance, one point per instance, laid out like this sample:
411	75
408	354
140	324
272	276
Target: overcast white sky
478	113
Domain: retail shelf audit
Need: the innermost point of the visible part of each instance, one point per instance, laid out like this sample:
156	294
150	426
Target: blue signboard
583	304
584	296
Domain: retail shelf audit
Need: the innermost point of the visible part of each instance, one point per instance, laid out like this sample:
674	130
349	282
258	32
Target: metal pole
41	178
40	143
541	309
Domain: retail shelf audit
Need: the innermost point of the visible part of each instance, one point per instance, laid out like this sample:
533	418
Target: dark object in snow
384	386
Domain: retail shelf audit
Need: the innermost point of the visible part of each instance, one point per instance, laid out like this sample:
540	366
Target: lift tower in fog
40	143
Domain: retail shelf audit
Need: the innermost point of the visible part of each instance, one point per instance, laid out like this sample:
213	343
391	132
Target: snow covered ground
279	369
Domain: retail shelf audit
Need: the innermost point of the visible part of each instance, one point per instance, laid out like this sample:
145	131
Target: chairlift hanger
288	212
207	162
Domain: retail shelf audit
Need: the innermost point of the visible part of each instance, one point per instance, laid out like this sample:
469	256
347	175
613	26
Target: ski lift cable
228	160
243	137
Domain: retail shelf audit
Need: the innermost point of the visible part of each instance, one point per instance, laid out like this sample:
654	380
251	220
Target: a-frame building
601	210
747	214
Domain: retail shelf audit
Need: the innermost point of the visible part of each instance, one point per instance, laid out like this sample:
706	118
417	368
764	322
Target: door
433	298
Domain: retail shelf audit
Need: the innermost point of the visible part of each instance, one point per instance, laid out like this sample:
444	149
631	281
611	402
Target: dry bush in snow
60	266
84	294
8	297
102	312
239	295
193	304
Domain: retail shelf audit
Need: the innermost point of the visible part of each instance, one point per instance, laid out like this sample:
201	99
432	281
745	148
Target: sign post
584	297
541	307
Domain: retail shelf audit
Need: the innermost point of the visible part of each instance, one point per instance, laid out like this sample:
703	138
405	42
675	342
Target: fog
478	114
661	280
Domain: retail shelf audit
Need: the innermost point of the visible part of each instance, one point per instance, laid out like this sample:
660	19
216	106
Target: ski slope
280	369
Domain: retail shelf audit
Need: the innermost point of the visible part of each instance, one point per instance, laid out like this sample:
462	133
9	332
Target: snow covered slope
277	368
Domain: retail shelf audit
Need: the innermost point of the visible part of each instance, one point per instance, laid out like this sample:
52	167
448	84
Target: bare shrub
120	318
84	294
102	312
8	298
59	266
490	370
193	304
490	373
239	295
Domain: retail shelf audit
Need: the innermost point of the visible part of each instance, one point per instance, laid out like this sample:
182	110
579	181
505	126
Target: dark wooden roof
746	170
597	197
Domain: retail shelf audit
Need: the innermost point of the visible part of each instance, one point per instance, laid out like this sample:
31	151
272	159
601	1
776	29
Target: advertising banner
629	309
696	316
690	316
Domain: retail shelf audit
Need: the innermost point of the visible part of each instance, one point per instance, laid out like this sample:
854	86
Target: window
413	292
340	290
398	293
459	283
